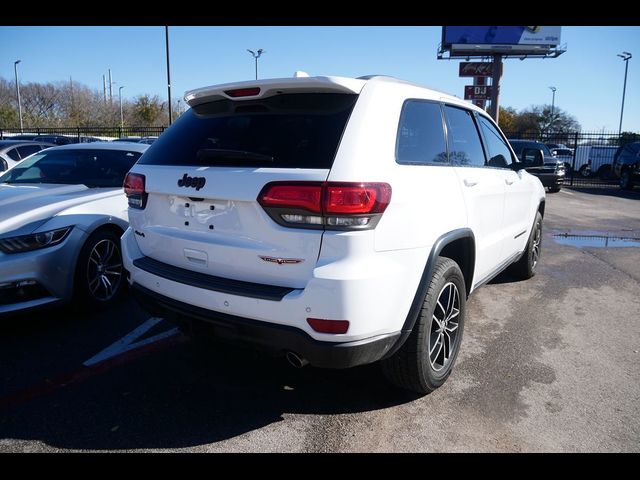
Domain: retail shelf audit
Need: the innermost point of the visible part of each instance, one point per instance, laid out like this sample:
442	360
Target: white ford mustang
62	212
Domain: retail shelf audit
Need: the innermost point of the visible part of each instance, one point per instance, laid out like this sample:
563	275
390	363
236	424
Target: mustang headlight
26	243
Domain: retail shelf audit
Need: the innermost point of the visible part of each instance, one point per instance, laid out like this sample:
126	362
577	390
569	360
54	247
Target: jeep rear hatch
203	177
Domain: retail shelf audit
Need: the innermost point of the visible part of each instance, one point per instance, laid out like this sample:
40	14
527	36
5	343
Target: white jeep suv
338	221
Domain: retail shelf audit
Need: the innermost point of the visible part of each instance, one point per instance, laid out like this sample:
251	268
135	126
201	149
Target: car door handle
509	181
469	183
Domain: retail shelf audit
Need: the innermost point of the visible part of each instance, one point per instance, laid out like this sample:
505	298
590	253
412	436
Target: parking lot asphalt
551	364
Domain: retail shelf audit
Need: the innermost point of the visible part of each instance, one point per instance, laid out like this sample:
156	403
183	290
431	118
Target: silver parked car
62	212
14	151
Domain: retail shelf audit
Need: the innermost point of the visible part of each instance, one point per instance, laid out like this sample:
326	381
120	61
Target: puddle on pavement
602	240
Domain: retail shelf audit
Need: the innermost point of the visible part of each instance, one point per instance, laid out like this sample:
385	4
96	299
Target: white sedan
62	212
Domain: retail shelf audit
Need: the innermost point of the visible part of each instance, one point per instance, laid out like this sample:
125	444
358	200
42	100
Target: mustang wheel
99	275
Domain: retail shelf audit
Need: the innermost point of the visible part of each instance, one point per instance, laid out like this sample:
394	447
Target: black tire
605	172
625	181
585	171
411	367
554	189
525	268
99	279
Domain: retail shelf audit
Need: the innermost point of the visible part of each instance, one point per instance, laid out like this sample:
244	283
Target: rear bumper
269	336
373	292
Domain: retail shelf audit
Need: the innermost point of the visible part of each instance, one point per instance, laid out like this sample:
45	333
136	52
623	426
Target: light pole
121	117
166	37
625	56
256	55
15	69
553	103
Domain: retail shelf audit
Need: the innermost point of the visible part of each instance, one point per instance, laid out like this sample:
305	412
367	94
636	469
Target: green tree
507	118
147	110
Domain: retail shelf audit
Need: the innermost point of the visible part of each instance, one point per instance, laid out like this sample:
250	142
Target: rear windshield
283	131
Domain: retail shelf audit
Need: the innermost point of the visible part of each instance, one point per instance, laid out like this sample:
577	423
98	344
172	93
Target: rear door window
421	134
282	131
465	147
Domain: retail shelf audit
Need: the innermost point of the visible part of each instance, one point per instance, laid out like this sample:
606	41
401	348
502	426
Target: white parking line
128	342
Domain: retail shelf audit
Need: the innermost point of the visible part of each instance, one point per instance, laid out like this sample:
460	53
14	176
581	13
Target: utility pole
71	90
121	116
110	89
104	88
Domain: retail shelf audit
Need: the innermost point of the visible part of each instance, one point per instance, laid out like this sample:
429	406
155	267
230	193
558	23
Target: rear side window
13	154
421	134
497	149
283	131
464	141
27	150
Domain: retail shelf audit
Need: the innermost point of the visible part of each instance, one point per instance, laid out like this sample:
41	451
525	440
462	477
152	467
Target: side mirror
532	157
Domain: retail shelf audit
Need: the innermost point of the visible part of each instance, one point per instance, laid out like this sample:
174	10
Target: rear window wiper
232	155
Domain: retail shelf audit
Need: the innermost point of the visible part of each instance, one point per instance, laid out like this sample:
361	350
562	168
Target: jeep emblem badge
281	261
193	182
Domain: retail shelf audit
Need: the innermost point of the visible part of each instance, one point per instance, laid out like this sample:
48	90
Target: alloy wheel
444	327
104	270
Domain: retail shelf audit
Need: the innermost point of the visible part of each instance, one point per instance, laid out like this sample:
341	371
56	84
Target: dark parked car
57	139
552	173
25	136
626	165
14	151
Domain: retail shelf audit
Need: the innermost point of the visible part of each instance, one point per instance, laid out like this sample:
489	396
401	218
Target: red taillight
133	183
307	195
356	199
134	189
321	325
243	92
331	205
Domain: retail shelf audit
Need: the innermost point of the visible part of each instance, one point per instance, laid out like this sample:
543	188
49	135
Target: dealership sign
477	92
476	69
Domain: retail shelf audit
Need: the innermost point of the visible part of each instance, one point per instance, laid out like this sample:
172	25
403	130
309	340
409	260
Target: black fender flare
416	305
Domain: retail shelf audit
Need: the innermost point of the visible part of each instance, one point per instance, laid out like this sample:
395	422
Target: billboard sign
475	69
499	35
477	92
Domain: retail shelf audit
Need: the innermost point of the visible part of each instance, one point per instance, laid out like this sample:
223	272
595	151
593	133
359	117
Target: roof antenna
300	74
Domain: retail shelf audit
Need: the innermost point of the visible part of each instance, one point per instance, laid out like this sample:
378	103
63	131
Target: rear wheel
605	172
426	359
525	268
585	171
625	181
554	189
99	273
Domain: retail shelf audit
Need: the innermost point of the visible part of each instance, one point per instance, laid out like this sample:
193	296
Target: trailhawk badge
193	182
281	261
